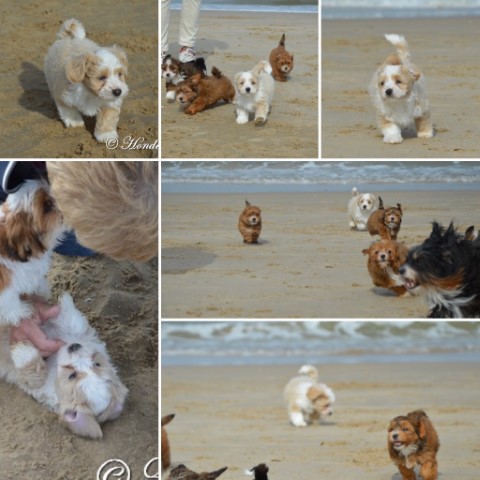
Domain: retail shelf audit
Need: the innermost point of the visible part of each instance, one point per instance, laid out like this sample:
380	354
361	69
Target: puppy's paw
73	123
425	134
260	120
23	354
170	96
242	120
392	138
104	137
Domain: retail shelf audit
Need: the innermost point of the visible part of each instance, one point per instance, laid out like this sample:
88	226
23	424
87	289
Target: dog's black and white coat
445	268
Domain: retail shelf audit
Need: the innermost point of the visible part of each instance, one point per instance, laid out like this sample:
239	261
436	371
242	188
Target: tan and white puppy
30	227
254	93
398	94
84	78
307	399
360	206
79	382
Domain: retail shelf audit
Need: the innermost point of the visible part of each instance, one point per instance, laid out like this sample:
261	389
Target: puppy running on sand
385	222
307	399
412	440
85	78
250	223
281	61
398	94
360	206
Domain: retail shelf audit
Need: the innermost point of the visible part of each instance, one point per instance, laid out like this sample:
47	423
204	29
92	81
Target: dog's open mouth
397	445
409	283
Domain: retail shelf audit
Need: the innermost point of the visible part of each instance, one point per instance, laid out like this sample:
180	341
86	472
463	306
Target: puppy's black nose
117	92
395	436
74	347
383	256
388	92
247	89
401	270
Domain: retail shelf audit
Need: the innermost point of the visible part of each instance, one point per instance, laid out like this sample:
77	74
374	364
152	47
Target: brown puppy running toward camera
281	61
412	440
250	223
385	221
385	258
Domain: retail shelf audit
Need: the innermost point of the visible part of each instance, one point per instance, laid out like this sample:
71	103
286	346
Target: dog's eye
102	78
72	376
120	74
48	206
389	252
382	84
398	82
97	364
404	429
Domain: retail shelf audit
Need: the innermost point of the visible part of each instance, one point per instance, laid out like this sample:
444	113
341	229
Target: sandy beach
219	424
121	301
308	264
29	123
444	51
235	42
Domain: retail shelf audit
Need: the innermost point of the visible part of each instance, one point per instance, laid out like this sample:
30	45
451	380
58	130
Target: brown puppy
165	445
181	472
250	223
385	257
281	61
385	221
412	440
203	91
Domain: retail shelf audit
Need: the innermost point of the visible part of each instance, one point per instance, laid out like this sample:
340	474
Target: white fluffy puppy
254	93
360	206
78	382
398	94
307	400
85	78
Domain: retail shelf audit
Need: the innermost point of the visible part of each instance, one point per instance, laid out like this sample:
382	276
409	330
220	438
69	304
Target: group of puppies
443	269
252	91
411	440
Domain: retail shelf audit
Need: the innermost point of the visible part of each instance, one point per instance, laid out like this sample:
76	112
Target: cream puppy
84	78
360	206
307	400
79	382
398	94
254	93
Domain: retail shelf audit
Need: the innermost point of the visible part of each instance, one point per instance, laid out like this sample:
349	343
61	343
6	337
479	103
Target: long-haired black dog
445	268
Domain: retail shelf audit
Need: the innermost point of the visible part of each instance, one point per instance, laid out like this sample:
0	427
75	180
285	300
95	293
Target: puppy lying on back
385	221
250	223
307	399
412	440
385	258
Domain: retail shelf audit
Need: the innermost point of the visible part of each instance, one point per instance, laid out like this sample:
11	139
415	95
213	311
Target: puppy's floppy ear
366	251
115	407
122	56
314	393
82	422
195	79
399	206
75	69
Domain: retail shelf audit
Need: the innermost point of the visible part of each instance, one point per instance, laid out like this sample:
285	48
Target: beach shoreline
308	263
234	42
218	423
353	49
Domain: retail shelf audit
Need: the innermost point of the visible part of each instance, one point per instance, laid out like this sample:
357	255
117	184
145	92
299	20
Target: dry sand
235	42
308	264
121	301
235	417
29	120
444	51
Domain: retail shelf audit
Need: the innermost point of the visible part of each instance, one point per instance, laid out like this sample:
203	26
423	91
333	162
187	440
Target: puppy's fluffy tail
354	192
216	72
72	29
262	66
309	371
282	41
400	43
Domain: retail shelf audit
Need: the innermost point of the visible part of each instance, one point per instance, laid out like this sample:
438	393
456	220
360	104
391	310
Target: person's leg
189	17
165	22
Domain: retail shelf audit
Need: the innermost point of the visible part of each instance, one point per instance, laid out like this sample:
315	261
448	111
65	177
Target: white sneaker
187	54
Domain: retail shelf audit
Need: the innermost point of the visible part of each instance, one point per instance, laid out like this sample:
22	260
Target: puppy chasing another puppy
398	94
412	440
250	223
174	72
84	78
307	399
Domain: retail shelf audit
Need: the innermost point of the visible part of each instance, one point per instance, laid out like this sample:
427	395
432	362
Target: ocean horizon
265	6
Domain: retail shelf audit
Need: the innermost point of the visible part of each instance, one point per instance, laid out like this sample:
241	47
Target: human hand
29	329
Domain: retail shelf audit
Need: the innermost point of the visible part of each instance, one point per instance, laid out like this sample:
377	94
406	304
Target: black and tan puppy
385	221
